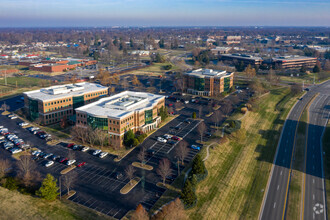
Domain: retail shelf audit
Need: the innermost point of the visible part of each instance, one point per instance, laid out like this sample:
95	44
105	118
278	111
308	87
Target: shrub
11	183
168	67
244	110
234	125
48	189
198	166
188	195
194	115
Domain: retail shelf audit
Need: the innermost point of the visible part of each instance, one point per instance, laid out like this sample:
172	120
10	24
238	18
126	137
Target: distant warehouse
208	82
50	105
246	59
136	111
291	62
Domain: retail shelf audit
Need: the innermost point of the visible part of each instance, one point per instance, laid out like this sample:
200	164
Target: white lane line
274	205
278	186
313	180
281	173
313	196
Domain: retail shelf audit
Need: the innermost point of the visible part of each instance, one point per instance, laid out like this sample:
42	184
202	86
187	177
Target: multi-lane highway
314	200
277	191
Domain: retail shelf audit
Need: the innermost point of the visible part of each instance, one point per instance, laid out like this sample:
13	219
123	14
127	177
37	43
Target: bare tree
71	155
226	107
4	166
201	129
124	83
135	81
100	136
164	169
216	118
79	133
181	151
130	172
26	170
142	155
200	111
5	107
68	180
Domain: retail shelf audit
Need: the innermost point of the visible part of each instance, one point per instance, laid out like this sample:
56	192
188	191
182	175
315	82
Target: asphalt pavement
314	201
276	194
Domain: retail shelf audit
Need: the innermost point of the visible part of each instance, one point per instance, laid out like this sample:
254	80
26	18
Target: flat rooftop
293	58
242	56
208	73
62	91
121	105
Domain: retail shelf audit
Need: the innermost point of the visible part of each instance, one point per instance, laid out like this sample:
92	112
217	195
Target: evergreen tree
198	165
48	189
194	115
316	69
188	195
163	112
194	181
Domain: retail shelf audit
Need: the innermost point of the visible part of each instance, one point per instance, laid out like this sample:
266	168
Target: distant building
208	82
56	65
136	111
220	50
291	62
140	52
246	59
51	104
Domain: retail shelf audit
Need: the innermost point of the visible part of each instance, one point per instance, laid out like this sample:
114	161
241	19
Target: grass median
239	167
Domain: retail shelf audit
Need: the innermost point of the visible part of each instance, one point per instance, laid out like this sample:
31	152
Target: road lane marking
313	196
281	173
274	205
313	180
278	186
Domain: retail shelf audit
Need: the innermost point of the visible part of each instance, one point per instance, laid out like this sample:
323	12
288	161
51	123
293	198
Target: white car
15	150
96	152
103	154
1	126
167	136
36	152
84	149
49	163
14	117
22	124
160	139
70	162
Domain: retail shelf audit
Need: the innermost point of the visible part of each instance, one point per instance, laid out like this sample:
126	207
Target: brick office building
246	59
117	114
292	62
208	82
51	104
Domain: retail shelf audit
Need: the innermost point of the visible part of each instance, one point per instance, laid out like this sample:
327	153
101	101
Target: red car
63	160
175	138
70	145
81	164
170	104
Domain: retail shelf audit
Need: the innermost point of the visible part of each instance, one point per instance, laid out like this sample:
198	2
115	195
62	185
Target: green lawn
239	168
14	205
25	82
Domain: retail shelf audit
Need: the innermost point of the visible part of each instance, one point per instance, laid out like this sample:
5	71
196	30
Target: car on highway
160	139
49	163
103	154
81	164
195	147
70	162
96	152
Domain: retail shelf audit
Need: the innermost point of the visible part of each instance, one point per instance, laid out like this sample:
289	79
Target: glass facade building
34	109
148	116
95	122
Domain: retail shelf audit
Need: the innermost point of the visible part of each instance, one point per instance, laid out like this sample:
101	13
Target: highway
277	190
314	199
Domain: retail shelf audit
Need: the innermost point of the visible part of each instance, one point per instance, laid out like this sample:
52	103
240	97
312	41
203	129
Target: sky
100	13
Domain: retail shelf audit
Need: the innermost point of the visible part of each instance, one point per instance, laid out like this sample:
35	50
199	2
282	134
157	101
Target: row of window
126	120
96	94
113	122
56	108
58	114
58	102
114	129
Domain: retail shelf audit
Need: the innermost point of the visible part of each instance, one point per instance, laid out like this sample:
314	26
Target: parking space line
116	213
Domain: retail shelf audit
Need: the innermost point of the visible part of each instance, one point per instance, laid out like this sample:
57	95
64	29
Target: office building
50	105
208	82
246	59
291	62
136	111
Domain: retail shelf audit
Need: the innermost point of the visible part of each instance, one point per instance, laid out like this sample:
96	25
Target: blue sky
55	13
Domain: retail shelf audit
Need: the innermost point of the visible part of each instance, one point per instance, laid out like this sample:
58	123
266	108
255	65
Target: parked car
160	139
81	164
15	150
167	136
195	147
96	152
22	124
171	142
14	117
103	154
84	149
77	147
70	145
63	160
175	138
70	162
55	157
118	175
151	152
49	163
47	155
187	120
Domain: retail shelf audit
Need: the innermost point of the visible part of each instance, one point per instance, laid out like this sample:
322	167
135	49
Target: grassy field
14	205
23	81
239	168
155	69
294	200
326	161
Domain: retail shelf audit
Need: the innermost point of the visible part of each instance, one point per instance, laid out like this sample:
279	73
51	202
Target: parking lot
97	186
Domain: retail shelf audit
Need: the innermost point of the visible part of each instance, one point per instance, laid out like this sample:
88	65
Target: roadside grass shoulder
239	168
14	205
326	161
